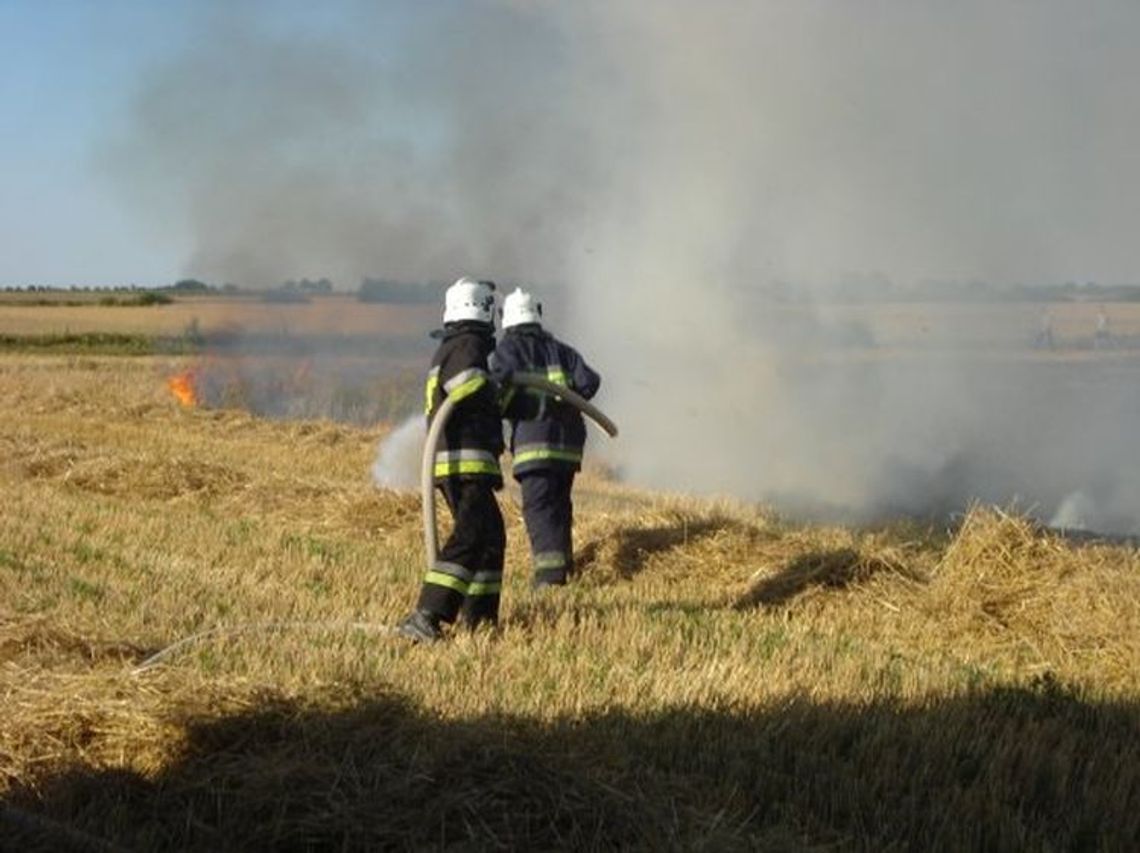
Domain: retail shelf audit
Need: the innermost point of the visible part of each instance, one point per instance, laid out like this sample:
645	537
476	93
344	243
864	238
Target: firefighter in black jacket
547	436
467	576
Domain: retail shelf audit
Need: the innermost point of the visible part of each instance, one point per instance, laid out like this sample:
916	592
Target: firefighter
466	578
546	435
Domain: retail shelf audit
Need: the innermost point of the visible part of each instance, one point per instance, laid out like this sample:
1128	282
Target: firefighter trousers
549	515
467	577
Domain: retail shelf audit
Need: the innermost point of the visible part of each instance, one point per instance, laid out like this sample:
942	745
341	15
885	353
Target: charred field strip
718	677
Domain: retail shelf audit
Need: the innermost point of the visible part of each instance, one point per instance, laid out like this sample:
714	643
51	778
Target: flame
181	385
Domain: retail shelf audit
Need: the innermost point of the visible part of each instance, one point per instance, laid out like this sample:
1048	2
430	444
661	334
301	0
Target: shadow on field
834	569
629	549
1010	769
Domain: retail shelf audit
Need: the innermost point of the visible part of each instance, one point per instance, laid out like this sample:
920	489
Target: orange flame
181	385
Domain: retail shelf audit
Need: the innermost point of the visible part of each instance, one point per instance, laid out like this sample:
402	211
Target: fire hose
431	536
431	443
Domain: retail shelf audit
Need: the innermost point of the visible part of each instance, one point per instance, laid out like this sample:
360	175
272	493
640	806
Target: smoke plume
689	185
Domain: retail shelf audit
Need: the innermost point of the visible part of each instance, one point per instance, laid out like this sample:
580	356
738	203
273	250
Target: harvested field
716	678
323	315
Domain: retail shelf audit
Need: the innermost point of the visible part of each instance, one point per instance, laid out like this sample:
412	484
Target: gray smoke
660	168
397	464
346	152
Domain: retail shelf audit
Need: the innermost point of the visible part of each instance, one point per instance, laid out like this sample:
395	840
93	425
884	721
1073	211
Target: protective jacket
545	433
473	438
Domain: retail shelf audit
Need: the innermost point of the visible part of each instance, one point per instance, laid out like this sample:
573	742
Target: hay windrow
1011	584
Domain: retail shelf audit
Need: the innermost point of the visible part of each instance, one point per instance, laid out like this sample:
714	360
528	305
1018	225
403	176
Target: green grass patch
99	343
105	300
86	590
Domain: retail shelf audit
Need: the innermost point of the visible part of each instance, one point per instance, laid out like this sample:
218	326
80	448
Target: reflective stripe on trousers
450	462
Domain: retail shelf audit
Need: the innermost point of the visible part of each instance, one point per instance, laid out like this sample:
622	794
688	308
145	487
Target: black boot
545	578
479	611
421	627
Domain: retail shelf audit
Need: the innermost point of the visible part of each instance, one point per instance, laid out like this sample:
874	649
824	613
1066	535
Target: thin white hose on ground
253	628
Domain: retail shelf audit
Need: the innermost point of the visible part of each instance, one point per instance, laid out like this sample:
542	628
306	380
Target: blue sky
69	70
66	72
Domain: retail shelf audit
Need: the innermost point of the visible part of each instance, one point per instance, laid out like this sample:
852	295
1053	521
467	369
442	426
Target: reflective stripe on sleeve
554	373
429	388
508	395
465	383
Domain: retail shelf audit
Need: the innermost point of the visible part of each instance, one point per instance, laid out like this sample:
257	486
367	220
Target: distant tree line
389	290
193	285
78	288
130	295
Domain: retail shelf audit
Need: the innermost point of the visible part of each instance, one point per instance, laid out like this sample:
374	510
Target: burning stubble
659	167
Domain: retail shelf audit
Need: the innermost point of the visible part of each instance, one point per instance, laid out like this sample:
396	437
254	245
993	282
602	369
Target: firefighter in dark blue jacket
467	576
547	436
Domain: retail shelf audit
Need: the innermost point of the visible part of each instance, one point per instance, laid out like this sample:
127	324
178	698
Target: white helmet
469	299
521	307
